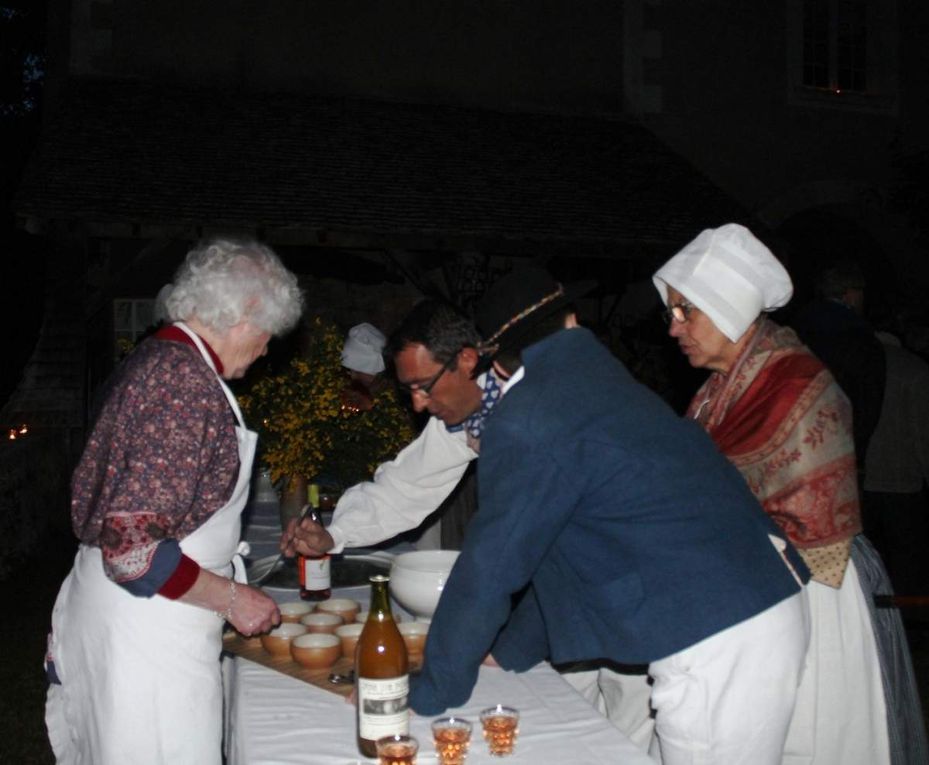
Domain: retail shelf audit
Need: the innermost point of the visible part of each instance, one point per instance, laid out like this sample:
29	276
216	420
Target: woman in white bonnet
777	413
362	356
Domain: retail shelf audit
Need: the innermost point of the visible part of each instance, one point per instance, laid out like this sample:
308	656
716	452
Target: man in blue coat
620	533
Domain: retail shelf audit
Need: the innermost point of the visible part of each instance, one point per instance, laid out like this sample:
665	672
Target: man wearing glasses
435	353
610	529
435	356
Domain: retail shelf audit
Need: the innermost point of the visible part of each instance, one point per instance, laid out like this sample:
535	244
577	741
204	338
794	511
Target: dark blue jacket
847	345
616	529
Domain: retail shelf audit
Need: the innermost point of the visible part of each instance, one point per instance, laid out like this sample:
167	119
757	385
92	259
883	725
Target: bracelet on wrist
233	591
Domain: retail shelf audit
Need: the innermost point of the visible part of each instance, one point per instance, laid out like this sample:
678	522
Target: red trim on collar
178	335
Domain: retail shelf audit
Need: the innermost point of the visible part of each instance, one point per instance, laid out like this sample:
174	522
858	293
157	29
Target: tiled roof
134	153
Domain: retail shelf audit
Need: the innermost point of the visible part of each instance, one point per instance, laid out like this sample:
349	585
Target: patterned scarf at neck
474	424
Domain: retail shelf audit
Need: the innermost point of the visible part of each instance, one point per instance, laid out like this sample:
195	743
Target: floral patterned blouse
162	458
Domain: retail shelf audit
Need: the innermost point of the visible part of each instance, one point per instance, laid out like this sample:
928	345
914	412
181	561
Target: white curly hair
225	281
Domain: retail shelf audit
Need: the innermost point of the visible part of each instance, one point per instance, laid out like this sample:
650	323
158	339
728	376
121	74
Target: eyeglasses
679	312
425	389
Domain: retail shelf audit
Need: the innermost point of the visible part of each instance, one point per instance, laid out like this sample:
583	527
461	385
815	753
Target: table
272	718
277	719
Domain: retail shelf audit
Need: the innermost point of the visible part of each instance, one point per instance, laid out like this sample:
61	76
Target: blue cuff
166	559
425	697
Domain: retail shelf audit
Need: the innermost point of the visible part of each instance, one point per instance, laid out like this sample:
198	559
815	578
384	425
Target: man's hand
306	538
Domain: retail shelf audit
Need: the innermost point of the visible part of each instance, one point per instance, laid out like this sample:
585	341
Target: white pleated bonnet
729	275
363	349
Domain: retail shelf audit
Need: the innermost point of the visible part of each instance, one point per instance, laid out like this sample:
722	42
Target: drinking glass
501	727
397	750
452	736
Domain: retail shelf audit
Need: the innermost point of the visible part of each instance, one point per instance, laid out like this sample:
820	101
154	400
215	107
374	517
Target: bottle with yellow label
382	681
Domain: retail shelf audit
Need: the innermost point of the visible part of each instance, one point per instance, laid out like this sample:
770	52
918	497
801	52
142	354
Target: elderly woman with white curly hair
133	657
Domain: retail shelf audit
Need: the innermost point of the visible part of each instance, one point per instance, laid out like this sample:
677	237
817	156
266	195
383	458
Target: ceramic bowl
348	634
277	641
347	609
417	579
292	612
318	622
315	650
414	635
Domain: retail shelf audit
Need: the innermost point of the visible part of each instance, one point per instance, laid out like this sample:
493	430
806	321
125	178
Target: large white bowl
418	578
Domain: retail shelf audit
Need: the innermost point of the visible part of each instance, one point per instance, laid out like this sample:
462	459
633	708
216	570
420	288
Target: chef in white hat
362	356
363	350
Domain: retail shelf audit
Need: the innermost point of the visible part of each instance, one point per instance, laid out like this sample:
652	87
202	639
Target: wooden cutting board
251	649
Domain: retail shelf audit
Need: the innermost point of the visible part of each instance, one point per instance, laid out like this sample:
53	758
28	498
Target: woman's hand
254	611
306	538
246	608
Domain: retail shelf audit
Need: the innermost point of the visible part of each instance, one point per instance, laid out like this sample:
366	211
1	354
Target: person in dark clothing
834	328
611	529
895	507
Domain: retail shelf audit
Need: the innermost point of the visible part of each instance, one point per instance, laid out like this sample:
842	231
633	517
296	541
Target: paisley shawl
782	420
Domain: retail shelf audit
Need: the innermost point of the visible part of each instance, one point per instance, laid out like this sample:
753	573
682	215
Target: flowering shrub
303	427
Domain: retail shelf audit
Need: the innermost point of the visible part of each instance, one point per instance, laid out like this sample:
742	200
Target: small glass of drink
501	727
451	735
399	749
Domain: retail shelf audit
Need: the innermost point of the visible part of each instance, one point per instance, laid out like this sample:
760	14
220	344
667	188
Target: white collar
518	375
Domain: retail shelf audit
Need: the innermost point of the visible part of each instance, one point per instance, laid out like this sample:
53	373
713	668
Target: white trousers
728	700
623	699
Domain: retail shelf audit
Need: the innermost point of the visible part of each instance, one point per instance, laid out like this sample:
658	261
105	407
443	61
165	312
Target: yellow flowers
304	428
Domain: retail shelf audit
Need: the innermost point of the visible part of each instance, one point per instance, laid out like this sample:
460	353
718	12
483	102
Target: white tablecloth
277	719
273	718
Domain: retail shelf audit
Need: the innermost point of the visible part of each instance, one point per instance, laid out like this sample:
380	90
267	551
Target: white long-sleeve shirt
403	491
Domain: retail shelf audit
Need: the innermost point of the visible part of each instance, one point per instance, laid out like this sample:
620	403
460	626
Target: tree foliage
22	75
305	427
22	57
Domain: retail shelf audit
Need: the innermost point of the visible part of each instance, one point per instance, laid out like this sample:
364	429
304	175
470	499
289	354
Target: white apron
140	677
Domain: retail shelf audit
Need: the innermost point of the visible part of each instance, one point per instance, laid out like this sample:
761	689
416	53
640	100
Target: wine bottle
382	680
314	572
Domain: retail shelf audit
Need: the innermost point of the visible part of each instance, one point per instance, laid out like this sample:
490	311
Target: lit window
842	53
835	45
